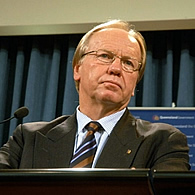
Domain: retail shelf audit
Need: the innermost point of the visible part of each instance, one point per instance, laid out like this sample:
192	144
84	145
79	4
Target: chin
110	99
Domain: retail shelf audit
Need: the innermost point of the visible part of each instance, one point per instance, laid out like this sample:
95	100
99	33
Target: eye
129	62
104	55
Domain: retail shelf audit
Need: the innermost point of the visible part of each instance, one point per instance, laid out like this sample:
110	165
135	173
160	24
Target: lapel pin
128	151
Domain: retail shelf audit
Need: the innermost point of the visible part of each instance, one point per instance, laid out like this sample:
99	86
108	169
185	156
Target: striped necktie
84	155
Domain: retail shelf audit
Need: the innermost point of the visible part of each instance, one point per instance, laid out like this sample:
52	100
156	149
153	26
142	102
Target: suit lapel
122	144
55	148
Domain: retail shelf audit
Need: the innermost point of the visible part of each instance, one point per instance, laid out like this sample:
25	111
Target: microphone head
21	112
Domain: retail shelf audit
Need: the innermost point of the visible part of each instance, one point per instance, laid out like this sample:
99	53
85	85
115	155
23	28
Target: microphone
19	113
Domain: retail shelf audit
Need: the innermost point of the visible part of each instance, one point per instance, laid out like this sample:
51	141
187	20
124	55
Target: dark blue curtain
170	70
36	71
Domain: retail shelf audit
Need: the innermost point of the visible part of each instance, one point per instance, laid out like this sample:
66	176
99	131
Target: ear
77	72
133	92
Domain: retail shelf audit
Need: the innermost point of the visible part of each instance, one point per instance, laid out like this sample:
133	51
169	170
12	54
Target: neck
96	112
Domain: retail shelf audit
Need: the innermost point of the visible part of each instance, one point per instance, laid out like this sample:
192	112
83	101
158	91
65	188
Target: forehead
116	40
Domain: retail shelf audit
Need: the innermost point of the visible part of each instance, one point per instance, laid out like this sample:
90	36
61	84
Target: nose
115	67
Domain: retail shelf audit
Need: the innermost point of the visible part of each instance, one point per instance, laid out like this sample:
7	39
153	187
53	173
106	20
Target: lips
112	83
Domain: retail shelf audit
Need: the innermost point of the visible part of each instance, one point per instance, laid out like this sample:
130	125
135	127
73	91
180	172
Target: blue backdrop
36	71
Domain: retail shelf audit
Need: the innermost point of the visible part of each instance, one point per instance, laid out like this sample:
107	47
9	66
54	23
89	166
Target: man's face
107	84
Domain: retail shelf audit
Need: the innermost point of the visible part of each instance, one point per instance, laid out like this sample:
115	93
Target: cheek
131	84
93	71
87	74
82	72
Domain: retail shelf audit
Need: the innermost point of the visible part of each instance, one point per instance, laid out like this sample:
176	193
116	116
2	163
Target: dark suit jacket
132	143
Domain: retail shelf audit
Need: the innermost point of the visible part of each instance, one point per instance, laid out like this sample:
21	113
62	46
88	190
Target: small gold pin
128	151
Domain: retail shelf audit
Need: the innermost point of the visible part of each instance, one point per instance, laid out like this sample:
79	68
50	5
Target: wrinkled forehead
110	33
115	39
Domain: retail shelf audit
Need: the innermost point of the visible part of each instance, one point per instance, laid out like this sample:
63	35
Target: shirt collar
107	122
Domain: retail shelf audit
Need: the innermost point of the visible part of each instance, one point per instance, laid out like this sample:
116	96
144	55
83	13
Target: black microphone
19	113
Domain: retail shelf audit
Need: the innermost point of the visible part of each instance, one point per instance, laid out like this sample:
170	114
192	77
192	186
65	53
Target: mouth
112	83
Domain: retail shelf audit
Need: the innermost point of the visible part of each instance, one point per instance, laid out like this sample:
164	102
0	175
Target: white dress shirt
107	123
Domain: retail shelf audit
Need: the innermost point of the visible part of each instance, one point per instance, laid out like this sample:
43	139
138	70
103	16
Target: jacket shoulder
145	128
42	126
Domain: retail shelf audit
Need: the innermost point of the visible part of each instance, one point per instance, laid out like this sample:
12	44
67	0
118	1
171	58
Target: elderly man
108	63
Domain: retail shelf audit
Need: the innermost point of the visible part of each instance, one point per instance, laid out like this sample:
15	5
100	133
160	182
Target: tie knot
93	126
